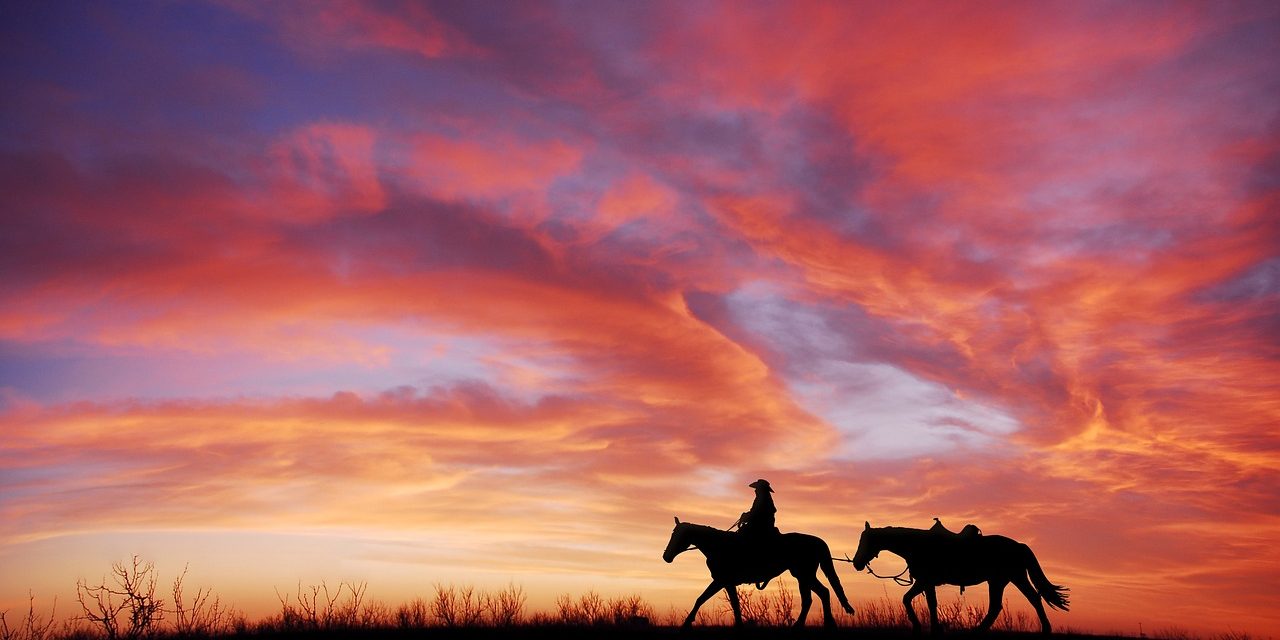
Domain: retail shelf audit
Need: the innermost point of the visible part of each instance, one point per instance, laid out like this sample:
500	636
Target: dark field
642	633
129	604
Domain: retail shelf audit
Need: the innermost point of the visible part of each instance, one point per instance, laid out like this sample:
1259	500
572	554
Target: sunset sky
486	292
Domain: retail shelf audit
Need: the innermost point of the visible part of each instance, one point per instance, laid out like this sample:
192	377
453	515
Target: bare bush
375	614
782	604
591	608
126	607
632	611
958	614
879	614
1232	634
32	626
706	616
319	607
1173	632
567	609
587	609
1010	620
344	612
775	606
754	610
457	606
505	607
203	615
414	614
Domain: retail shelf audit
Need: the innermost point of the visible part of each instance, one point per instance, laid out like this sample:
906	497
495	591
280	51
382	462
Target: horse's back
804	540
1000	543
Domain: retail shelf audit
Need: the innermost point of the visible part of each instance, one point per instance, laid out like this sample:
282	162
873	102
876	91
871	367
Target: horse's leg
1033	596
931	597
732	592
911	612
806	598
824	595
996	588
706	595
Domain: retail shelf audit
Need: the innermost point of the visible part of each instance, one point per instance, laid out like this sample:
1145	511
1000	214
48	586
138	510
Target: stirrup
761	585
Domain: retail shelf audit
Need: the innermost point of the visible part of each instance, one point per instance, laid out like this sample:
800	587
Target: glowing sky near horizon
486	292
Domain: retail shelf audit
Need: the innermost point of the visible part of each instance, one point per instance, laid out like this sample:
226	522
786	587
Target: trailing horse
735	559
936	558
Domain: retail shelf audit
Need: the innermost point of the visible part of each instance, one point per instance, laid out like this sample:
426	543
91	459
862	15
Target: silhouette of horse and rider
757	552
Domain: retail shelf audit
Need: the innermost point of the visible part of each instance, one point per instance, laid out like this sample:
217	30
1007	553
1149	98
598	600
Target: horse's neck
902	541
707	538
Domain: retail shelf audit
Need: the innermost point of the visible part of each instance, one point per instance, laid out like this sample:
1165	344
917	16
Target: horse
935	558
735	559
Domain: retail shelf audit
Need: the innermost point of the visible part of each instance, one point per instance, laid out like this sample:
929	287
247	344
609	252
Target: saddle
968	532
758	541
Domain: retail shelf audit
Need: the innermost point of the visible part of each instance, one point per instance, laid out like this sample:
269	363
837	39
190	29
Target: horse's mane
703	527
903	532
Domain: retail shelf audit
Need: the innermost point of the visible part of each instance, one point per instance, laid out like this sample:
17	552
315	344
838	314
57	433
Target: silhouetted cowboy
759	520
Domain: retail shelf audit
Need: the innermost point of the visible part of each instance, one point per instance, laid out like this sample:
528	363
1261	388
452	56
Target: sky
421	293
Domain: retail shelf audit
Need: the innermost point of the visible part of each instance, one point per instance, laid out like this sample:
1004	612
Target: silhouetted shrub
457	606
504	608
126	607
32	626
320	608
415	614
630	611
203	615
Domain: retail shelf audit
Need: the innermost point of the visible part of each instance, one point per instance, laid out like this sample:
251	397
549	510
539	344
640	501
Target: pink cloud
489	167
403	27
324	169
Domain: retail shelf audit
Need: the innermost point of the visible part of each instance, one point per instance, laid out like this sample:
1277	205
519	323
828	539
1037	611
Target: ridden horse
936	558
735	559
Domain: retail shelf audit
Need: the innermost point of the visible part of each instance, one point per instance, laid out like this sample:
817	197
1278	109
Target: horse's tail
829	568
1054	595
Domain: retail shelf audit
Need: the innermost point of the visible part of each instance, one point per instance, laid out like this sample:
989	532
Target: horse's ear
677	519
867	525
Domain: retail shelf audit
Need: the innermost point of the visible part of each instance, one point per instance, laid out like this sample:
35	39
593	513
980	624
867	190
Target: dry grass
126	607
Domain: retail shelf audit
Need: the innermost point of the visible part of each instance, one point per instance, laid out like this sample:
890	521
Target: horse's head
679	542
868	548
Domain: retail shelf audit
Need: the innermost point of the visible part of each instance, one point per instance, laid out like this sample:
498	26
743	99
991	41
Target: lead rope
905	582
